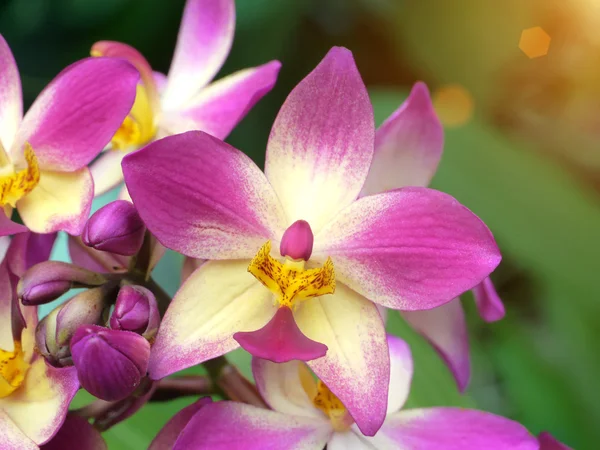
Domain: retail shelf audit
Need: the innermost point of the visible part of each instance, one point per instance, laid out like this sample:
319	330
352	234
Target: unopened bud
297	241
110	363
136	310
54	332
48	280
115	228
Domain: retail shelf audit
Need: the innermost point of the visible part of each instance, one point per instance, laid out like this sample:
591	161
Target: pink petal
29	249
408	249
119	50
216	301
20	253
78	113
166	437
76	432
254	429
321	143
548	442
106	171
95	260
60	202
445	328
488	301
203	198
12	437
288	388
8	227
160	80
6	305
280	340
408	145
218	108
40	406
356	367
401	371
455	429
11	104
204	41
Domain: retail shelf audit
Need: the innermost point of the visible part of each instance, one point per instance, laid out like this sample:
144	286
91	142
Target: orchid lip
280	340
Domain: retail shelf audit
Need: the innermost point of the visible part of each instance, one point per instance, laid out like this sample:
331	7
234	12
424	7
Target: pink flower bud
48	280
136	310
297	241
110	363
54	332
115	228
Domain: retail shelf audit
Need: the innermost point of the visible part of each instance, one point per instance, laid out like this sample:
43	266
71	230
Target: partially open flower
136	310
49	280
115	228
110	363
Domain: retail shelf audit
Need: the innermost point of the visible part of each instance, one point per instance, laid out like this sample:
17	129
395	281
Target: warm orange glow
534	42
453	104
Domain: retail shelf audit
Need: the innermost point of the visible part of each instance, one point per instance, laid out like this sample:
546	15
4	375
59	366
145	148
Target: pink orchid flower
34	396
307	415
184	100
408	249
43	156
408	149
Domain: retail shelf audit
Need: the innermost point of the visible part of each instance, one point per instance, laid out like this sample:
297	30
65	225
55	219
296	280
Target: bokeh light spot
534	42
453	104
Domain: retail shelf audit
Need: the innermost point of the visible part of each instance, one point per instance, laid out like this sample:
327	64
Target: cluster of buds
105	330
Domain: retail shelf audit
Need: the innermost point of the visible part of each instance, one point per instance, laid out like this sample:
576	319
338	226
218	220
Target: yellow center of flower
327	402
138	127
12	370
289	281
16	184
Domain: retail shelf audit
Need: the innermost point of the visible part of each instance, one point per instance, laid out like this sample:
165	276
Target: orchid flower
307	415
184	100
43	156
407	249
408	149
34	396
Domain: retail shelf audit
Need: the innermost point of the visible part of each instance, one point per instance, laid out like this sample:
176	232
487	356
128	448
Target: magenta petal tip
280	340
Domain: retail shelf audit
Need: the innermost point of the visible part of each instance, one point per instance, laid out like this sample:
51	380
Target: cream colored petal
60	202
356	367
40	405
219	299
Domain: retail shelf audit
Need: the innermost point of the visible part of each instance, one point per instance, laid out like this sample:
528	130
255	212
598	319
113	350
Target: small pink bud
297	241
110	363
48	280
115	228
136	310
54	332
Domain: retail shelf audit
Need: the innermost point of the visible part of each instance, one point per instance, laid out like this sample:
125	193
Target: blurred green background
522	151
